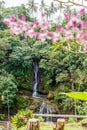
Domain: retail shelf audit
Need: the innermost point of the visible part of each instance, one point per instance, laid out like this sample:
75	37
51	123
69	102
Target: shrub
71	120
8	88
83	120
2	116
82	108
21	118
22	103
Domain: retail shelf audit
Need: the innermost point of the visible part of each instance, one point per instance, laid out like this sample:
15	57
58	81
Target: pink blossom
50	33
23	17
68	25
42	15
62	30
36	23
82	11
19	21
16	31
54	39
6	21
68	35
44	25
66	16
42	30
85	36
42	37
49	37
36	33
58	28
74	23
13	18
83	24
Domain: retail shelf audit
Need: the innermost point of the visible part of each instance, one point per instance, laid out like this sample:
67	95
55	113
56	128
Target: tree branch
71	2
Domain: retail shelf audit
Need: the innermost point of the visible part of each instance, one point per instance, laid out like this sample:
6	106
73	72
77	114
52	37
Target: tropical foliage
60	50
21	118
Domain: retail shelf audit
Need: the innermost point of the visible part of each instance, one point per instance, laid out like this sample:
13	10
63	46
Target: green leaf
78	95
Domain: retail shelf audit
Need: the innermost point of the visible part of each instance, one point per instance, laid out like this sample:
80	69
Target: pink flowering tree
72	36
74	32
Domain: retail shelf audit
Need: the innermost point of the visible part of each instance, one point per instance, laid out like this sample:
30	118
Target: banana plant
78	95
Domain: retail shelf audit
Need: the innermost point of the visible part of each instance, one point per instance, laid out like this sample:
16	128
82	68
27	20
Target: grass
50	126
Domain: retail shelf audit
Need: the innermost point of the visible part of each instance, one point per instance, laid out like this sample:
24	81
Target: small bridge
5	125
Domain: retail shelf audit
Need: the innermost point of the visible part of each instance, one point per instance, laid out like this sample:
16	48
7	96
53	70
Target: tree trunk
33	124
60	124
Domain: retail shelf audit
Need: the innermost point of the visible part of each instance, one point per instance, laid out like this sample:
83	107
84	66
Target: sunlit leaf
78	95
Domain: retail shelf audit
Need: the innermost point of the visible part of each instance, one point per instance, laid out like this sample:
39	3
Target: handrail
6	125
3	121
58	115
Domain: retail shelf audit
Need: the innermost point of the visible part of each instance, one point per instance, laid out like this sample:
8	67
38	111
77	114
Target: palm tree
32	7
42	6
60	7
48	14
68	9
53	9
2	3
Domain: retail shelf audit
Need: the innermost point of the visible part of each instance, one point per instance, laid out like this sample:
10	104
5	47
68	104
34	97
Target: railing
57	115
5	125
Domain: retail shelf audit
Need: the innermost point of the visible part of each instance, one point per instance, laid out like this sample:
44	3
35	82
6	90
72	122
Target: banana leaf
78	95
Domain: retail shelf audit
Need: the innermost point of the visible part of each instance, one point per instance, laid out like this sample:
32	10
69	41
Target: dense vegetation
63	70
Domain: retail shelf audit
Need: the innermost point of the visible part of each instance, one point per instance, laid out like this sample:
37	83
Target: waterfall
35	66
45	109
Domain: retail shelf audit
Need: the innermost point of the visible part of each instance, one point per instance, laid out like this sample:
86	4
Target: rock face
47	106
35	105
40	82
50	95
52	107
37	79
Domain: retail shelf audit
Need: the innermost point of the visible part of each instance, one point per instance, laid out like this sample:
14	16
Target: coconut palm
68	9
32	7
53	9
60	8
48	14
42	6
2	3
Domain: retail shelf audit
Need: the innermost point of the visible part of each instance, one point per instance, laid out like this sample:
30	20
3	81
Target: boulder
50	95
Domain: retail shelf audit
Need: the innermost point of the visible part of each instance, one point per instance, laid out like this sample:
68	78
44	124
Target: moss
22	103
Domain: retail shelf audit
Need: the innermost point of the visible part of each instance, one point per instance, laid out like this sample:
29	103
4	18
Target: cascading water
42	108
45	109
35	66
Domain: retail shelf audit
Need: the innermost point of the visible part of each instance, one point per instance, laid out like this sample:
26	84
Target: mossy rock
22	102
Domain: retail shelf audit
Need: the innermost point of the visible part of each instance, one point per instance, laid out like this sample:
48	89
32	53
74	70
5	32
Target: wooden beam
58	115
